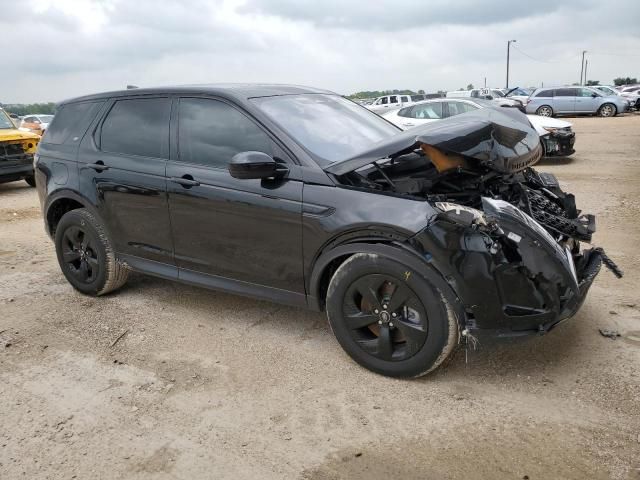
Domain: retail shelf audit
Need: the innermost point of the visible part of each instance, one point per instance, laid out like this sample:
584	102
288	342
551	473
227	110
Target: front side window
137	126
384	100
393	99
431	111
211	132
329	127
585	92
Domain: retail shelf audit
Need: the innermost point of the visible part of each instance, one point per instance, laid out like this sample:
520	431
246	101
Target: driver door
240	235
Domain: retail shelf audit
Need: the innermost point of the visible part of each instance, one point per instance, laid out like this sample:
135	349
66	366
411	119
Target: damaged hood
500	138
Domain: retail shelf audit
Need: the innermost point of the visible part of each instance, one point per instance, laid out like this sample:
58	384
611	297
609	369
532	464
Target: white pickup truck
388	103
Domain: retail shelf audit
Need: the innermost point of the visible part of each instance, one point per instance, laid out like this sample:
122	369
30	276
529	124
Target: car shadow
555	161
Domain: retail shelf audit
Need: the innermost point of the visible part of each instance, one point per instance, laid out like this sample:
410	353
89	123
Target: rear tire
389	318
607	110
86	256
31	181
545	111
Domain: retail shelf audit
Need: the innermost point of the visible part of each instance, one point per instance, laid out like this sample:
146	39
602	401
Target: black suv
409	240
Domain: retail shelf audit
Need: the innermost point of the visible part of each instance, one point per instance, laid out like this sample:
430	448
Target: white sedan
556	136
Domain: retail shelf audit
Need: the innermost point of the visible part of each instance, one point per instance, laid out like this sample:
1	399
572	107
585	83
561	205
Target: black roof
238	91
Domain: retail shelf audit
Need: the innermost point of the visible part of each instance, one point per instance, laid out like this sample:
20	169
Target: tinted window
545	93
137	127
431	111
404	99
70	122
384	100
393	99
211	133
330	127
565	92
456	108
417	98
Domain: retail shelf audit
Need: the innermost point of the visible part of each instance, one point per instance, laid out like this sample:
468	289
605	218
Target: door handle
186	181
409	124
99	166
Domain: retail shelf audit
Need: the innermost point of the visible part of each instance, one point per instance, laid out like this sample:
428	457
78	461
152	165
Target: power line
615	54
537	59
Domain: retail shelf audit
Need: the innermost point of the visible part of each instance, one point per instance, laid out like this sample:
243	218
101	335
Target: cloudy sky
55	49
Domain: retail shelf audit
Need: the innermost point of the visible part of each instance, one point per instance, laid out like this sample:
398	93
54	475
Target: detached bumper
559	143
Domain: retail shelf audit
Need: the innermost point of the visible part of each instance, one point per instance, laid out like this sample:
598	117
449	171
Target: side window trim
289	158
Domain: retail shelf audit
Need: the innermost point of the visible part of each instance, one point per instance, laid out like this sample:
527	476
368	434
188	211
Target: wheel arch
61	202
328	262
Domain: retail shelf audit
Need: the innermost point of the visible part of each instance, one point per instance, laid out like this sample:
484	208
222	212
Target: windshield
5	121
330	127
497	93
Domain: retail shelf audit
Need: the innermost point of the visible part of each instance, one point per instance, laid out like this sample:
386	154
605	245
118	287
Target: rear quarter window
544	94
71	122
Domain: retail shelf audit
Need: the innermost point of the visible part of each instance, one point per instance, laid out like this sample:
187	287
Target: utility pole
586	64
508	47
582	67
485	82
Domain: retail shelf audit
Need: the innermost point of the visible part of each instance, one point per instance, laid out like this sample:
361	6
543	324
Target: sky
57	49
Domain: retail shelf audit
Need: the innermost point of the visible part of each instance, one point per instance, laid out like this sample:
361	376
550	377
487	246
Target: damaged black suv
409	240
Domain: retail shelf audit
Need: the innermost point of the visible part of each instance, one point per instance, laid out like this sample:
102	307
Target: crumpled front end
510	273
559	142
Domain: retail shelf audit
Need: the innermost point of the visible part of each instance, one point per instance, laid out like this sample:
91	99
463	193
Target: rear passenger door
236	234
564	100
122	168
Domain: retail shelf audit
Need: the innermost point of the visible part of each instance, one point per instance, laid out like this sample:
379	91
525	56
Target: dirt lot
209	385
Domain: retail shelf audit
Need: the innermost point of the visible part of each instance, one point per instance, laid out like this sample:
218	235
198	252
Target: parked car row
556	136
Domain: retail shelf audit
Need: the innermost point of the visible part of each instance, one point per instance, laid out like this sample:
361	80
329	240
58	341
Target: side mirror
252	165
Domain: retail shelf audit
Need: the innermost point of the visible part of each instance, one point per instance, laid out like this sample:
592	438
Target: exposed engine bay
441	178
502	223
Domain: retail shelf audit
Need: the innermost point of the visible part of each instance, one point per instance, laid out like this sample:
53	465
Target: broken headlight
461	213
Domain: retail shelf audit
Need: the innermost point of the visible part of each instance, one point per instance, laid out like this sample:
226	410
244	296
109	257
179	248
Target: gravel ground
209	385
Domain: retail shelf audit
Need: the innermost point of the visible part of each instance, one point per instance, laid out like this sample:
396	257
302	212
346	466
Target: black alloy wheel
391	318
385	317
86	255
79	254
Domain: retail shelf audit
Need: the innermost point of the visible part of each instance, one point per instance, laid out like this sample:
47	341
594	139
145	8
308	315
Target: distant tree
624	81
31	108
575	84
592	82
420	92
470	86
442	93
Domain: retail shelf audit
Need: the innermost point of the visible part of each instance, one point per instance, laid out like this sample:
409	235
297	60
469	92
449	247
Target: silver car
548	102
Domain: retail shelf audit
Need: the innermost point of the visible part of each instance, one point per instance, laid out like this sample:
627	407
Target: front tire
86	256
545	111
607	110
389	318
